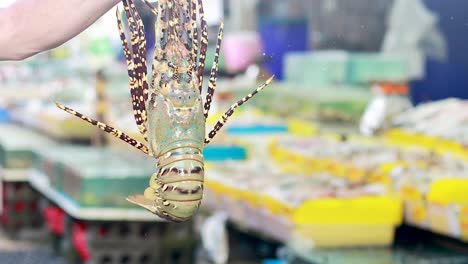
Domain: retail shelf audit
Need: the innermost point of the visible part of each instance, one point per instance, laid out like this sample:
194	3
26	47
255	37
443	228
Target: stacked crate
127	242
94	177
98	225
324	69
19	205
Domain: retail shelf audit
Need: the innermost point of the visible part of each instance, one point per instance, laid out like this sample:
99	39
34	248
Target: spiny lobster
170	113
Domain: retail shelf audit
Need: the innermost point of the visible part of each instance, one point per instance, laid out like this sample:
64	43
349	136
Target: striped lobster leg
136	64
106	128
152	8
161	33
195	44
137	73
231	110
213	74
203	45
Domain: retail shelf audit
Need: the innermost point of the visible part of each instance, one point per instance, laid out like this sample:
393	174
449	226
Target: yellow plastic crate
223	189
301	128
416	213
361	210
443	210
398	137
290	162
449	190
448	207
364	221
333	235
327	222
251	198
276	207
411	193
463	221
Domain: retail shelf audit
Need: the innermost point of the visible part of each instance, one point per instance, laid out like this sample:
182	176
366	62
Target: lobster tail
151	206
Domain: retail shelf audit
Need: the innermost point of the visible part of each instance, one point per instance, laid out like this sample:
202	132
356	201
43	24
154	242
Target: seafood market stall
171	150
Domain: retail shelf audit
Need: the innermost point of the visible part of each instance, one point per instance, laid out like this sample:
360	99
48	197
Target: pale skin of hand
29	27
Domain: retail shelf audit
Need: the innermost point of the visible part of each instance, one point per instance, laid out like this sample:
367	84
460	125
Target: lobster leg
116	133
213	74
161	31
193	21
150	5
136	64
185	27
203	46
231	110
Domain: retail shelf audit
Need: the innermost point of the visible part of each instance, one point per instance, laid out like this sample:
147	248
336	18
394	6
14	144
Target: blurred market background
357	153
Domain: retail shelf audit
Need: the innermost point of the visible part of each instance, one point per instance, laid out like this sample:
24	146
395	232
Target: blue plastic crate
273	261
220	153
257	129
281	35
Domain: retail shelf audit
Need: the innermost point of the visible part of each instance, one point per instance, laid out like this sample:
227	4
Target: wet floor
27	249
36	256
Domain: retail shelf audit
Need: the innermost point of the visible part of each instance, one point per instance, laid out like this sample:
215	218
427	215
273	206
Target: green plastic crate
289	100
17	144
318	68
95	177
371	67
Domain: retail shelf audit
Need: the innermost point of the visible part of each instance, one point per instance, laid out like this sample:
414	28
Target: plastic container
302	128
240	50
280	35
258	129
365	221
372	67
317	68
221	153
17	145
95	176
447	207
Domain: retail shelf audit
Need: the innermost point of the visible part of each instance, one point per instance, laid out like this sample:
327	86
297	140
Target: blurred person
28	27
